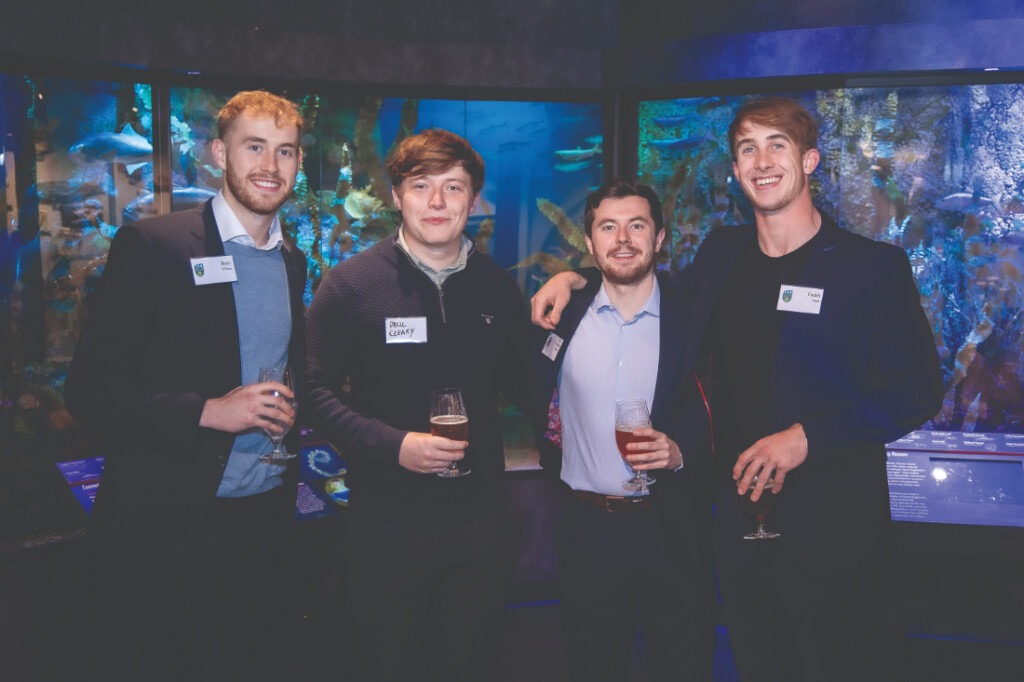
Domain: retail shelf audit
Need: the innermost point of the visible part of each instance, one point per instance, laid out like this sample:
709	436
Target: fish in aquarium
361	204
967	202
578	154
682	144
181	198
127	147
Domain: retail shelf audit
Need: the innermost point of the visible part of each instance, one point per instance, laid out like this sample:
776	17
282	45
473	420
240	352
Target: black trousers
424	601
787	625
618	575
215	605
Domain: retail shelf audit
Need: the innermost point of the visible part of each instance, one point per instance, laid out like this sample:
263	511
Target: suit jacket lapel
218	300
672	326
714	276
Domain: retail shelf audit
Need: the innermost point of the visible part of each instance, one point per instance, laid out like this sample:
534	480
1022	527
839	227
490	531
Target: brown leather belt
614	503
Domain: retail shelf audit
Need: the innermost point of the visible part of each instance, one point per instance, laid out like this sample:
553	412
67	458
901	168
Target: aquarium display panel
542	159
937	170
74	155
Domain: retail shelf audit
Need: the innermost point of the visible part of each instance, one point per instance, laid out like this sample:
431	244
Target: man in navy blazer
191	305
640	557
819	354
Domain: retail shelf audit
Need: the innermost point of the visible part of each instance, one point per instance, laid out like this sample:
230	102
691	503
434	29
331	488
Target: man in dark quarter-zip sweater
428	557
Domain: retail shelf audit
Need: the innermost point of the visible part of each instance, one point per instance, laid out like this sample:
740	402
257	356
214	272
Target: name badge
800	299
552	346
405	330
213	270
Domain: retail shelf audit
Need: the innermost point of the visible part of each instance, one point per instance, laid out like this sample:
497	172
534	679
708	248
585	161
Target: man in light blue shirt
628	558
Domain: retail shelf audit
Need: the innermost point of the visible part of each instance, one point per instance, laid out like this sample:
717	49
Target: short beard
259	205
634	275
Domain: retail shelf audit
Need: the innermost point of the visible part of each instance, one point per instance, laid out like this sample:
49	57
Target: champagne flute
759	510
279	454
631	415
448	419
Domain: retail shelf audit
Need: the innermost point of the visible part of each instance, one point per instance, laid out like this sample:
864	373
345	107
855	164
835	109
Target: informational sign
322	489
83	475
958	478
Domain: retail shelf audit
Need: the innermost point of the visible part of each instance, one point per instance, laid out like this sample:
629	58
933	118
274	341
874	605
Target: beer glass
631	415
279	454
759	510
448	419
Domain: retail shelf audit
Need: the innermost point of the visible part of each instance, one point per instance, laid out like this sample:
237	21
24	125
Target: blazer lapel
672	324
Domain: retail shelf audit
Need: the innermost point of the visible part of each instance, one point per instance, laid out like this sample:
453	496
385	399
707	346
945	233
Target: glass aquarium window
935	169
75	155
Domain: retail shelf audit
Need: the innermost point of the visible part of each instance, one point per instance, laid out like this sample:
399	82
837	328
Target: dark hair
620	189
258	103
432	152
779	113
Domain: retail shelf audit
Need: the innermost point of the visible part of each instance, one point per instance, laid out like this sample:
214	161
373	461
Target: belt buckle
610	501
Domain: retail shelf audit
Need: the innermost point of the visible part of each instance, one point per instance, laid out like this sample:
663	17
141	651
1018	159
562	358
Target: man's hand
772	457
250	407
423	453
547	305
659	453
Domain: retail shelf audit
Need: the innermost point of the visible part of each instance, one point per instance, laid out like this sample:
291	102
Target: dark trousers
425	600
211	606
786	625
617	574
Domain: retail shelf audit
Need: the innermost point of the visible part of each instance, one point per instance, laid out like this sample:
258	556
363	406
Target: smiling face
260	161
435	209
771	169
623	240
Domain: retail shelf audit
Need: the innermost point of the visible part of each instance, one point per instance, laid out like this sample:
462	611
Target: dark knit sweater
477	341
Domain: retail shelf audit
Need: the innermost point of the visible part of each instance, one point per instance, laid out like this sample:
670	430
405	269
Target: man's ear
810	161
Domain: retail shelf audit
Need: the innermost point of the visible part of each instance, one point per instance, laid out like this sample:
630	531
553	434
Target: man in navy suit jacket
819	354
637	557
190	306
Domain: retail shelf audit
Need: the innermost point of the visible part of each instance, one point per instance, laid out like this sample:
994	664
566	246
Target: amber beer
759	510
623	437
451	426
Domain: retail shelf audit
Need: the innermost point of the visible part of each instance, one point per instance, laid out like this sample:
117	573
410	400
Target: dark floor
532	652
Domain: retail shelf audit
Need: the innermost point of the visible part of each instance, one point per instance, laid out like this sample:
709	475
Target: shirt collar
652	306
457	266
232	230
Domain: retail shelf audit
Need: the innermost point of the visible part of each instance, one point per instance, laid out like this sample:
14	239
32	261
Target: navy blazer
153	349
678	409
860	374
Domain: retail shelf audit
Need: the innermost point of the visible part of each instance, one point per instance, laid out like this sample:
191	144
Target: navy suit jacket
153	349
682	497
860	374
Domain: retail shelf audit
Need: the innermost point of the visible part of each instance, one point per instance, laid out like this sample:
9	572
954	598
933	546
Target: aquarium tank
81	157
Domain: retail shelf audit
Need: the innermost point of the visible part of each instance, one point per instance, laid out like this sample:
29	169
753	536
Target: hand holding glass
448	419
631	415
759	510
279	454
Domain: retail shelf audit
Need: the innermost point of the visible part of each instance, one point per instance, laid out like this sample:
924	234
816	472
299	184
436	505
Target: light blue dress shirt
608	359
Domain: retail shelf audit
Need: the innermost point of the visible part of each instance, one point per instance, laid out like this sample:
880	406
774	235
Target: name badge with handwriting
552	345
405	330
795	299
213	270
